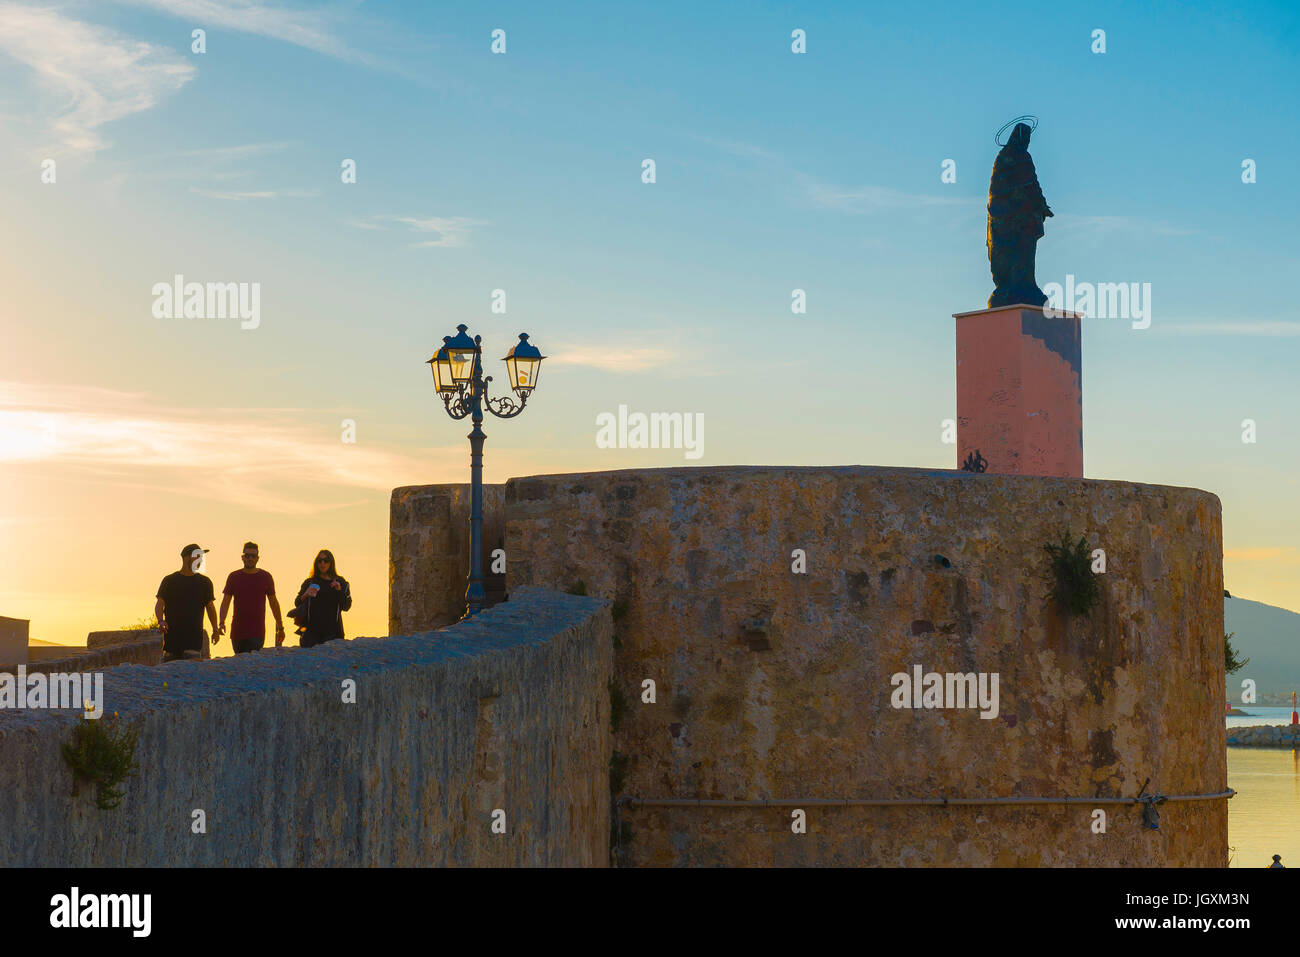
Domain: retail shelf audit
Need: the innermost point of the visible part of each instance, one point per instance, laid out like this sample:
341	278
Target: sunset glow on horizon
127	429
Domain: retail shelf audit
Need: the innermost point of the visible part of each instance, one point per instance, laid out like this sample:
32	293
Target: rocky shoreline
1265	736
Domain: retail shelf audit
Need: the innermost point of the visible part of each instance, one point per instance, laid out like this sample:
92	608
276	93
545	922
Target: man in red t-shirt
251	588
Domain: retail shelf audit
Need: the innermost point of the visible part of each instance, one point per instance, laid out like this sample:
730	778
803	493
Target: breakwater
1265	736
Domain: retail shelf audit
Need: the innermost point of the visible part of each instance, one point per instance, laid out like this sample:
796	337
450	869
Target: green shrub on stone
1074	585
99	756
143	624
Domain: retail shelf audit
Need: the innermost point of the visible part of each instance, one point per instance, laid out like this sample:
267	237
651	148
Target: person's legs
185	648
315	639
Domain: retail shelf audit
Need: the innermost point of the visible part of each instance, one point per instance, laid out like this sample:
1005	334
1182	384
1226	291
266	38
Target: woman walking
322	599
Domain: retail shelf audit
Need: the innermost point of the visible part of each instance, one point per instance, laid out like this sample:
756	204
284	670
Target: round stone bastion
777	627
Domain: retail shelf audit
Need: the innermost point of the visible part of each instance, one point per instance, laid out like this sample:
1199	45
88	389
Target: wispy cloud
253	194
448	230
867	199
94	74
812	190
225	154
318	30
1111	225
676	345
258	458
208	165
615	359
1279	328
738	148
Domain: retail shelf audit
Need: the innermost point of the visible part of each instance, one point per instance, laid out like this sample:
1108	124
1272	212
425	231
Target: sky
125	434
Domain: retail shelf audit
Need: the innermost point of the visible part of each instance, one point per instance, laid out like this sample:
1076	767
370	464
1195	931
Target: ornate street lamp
441	365
458	376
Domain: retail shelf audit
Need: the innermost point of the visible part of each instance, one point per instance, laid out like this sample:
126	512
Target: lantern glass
523	373
462	352
461	365
441	367
523	363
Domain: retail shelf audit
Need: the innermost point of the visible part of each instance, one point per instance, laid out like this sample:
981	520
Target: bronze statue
1017	210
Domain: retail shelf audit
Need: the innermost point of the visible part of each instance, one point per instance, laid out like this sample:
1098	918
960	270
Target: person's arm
160	607
301	604
212	617
225	606
275	612
345	599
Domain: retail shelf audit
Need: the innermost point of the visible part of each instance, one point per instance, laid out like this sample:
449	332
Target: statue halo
1028	118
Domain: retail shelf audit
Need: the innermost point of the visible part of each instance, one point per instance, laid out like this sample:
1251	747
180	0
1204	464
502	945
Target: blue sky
522	172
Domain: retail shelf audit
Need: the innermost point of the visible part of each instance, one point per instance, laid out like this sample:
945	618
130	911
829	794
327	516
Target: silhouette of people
1277	862
183	597
321	601
250	588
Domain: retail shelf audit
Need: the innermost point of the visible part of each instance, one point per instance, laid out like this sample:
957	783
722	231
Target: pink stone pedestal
1019	390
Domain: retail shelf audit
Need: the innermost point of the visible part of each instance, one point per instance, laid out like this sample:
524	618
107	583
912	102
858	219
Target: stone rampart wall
429	554
776	684
507	711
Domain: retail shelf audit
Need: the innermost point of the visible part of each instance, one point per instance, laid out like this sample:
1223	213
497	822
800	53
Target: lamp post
458	376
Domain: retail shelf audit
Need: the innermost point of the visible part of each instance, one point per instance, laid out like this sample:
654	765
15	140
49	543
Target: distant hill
1270	638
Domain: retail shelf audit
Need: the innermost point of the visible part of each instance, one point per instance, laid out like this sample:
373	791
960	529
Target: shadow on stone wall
429	554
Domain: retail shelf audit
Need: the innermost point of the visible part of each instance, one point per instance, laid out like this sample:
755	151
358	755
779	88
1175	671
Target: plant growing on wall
1074	585
1231	663
143	624
98	755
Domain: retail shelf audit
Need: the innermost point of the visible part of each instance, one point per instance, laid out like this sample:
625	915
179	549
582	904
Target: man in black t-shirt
181	600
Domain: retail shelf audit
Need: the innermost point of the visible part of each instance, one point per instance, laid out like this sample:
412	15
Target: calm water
1264	817
1260	715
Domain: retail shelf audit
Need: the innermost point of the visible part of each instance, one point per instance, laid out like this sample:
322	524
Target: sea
1264	817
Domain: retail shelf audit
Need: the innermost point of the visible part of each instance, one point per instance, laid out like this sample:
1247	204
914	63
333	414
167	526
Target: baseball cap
189	550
